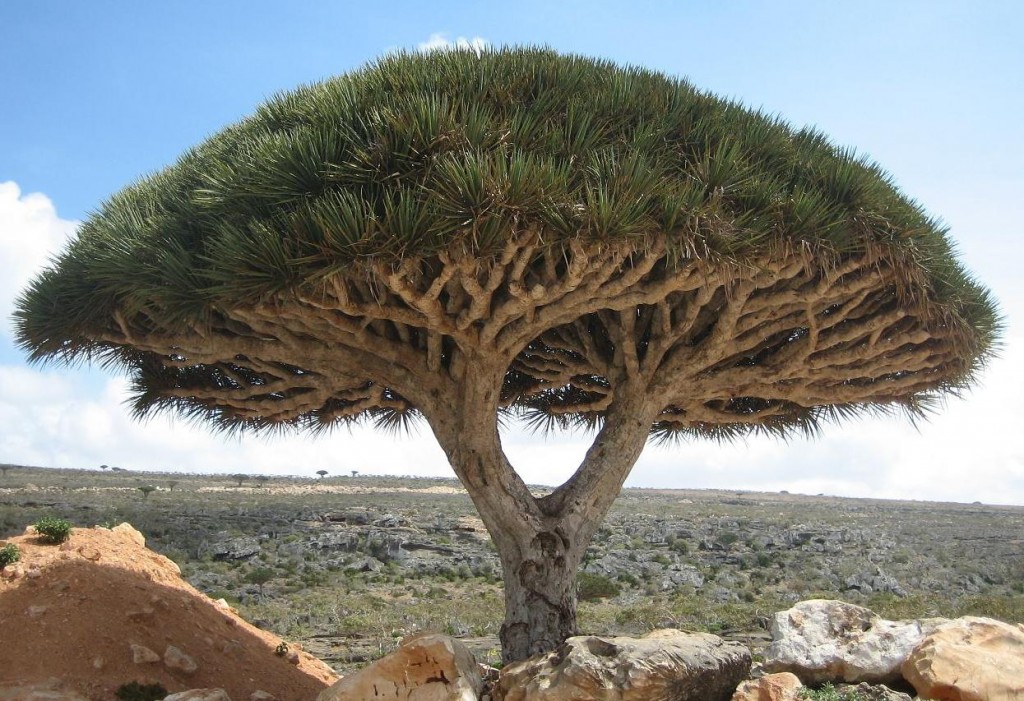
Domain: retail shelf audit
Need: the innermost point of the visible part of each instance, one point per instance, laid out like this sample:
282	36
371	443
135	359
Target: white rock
199	695
428	667
665	664
831	641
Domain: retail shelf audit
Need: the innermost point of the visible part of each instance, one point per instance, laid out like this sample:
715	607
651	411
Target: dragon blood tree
460	237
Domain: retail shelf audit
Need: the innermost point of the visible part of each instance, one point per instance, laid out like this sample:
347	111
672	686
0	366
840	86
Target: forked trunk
541	540
540	595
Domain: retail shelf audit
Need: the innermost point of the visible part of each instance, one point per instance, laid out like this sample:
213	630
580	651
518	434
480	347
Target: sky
95	95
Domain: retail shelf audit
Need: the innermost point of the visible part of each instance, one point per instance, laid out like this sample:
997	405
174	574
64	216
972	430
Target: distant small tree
259	577
171	484
355	473
146	490
5	468
104	467
322	473
261	480
240	478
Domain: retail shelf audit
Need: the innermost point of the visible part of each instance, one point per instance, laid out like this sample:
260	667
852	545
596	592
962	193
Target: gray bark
540	540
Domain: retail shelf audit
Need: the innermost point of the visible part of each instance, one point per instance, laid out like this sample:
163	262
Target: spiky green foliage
417	157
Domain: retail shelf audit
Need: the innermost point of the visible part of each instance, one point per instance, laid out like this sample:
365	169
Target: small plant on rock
827	692
133	691
52	529
281	650
9	553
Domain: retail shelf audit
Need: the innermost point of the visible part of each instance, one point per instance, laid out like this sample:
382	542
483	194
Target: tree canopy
451	190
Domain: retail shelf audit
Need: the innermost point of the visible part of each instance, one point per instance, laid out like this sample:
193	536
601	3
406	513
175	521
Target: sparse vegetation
53	530
827	692
9	553
356	567
595	586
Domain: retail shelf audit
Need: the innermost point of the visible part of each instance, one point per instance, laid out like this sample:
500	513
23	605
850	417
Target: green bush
595	586
8	554
53	530
133	691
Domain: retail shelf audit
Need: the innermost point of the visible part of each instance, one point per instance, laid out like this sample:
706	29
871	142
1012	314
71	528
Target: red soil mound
87	611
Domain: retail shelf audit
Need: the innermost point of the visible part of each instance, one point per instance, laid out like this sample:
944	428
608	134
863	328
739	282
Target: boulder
771	687
969	659
241	548
130	532
666	665
175	659
832	641
143	655
427	667
199	695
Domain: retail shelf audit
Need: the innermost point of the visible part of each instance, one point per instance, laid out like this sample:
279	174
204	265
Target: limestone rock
143	655
969	659
428	667
783	686
12	571
878	692
174	658
666	665
832	641
199	695
51	690
126	529
260	695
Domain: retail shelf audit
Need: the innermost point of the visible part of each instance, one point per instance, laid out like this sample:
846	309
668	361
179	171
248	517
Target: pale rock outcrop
129	531
831	641
969	659
175	659
50	690
143	655
199	695
666	665
427	667
877	692
783	686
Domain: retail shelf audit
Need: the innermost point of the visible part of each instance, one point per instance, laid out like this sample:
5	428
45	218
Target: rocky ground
347	566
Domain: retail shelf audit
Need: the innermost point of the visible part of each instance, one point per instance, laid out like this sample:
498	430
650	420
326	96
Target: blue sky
96	94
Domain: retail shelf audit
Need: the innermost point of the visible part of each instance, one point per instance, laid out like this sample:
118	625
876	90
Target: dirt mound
100	611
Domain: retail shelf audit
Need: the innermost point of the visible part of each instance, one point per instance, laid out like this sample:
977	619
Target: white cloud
439	41
30	232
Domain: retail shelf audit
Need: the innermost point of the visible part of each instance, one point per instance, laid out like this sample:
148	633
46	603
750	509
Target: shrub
53	530
595	586
8	554
133	691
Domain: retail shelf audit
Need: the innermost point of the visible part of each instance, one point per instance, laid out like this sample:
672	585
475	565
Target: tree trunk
540	594
541	540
